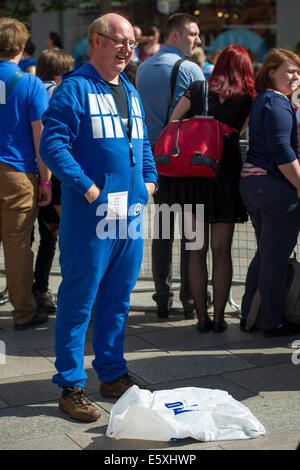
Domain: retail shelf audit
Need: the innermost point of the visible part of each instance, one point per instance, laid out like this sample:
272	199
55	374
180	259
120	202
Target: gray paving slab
256	371
282	441
27	389
61	442
270	380
26	362
260	352
187	337
98	441
192	364
278	413
3	403
39	420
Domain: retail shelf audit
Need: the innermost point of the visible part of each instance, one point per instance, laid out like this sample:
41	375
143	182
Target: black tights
221	235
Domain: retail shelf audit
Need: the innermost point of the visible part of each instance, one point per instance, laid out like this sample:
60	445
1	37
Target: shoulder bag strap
204	90
11	84
172	85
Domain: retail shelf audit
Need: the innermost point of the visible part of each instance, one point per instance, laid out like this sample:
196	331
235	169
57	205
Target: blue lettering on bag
177	407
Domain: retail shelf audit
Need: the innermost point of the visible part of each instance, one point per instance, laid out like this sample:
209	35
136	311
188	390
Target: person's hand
151	187
44	195
92	193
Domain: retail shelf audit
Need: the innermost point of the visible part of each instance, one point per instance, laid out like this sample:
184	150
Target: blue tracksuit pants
97	274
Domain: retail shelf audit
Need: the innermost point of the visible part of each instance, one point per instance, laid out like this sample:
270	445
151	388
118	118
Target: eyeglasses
121	42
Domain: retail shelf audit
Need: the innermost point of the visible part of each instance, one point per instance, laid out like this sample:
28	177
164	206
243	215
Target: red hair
233	73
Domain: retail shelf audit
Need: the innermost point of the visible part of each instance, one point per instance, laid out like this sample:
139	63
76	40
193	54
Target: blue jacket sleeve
278	125
61	126
149	168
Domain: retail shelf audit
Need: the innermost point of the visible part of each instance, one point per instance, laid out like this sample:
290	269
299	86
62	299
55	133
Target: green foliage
20	9
23	9
58	5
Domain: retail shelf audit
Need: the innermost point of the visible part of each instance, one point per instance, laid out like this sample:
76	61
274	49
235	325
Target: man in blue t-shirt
28	62
181	35
25	180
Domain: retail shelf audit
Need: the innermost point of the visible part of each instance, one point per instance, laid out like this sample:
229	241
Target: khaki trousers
18	210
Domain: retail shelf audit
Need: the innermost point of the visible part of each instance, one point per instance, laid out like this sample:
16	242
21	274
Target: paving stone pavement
257	371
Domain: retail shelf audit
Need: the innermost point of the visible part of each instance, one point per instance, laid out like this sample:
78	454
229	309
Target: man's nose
198	40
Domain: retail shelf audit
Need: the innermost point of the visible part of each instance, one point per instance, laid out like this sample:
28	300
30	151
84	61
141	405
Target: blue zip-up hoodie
84	139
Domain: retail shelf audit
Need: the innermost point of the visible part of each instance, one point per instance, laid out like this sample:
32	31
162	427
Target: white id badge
117	205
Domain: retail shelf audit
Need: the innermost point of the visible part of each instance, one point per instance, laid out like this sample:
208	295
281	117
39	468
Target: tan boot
78	406
119	386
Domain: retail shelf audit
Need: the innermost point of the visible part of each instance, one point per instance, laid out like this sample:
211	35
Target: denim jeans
274	210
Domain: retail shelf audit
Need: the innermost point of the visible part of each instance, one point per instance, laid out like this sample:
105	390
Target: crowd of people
76	154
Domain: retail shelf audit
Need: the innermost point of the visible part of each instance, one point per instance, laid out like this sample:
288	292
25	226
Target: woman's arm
292	173
245	125
182	107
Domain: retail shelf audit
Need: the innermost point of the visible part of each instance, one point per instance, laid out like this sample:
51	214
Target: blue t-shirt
153	84
25	63
25	104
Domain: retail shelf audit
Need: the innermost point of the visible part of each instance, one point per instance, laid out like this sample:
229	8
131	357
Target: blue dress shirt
153	83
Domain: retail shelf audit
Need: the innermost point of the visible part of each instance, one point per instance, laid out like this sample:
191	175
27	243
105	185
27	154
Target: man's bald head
112	41
108	23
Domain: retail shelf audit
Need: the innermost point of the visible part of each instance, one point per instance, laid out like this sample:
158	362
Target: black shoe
189	314
219	326
204	325
39	319
287	329
45	301
163	311
243	326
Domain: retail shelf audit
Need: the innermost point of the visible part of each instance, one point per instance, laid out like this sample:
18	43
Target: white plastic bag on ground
164	415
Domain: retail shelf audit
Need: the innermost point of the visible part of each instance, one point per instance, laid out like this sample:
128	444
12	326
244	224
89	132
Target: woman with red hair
231	91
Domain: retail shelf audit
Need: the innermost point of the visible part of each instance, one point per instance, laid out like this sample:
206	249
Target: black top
220	196
232	112
120	98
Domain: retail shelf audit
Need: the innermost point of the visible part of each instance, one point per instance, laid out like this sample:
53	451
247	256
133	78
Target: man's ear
96	40
173	36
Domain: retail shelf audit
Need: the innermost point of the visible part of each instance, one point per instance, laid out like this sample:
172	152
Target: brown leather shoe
119	386
38	319
78	406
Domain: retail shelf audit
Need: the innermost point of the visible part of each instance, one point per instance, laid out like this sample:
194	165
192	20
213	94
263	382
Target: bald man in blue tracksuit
95	142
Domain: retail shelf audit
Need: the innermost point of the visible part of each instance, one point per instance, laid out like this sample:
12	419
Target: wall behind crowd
73	25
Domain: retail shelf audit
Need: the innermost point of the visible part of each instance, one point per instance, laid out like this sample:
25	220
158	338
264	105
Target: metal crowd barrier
243	250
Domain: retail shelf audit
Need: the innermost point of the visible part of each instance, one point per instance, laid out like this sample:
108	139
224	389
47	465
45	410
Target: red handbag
191	147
